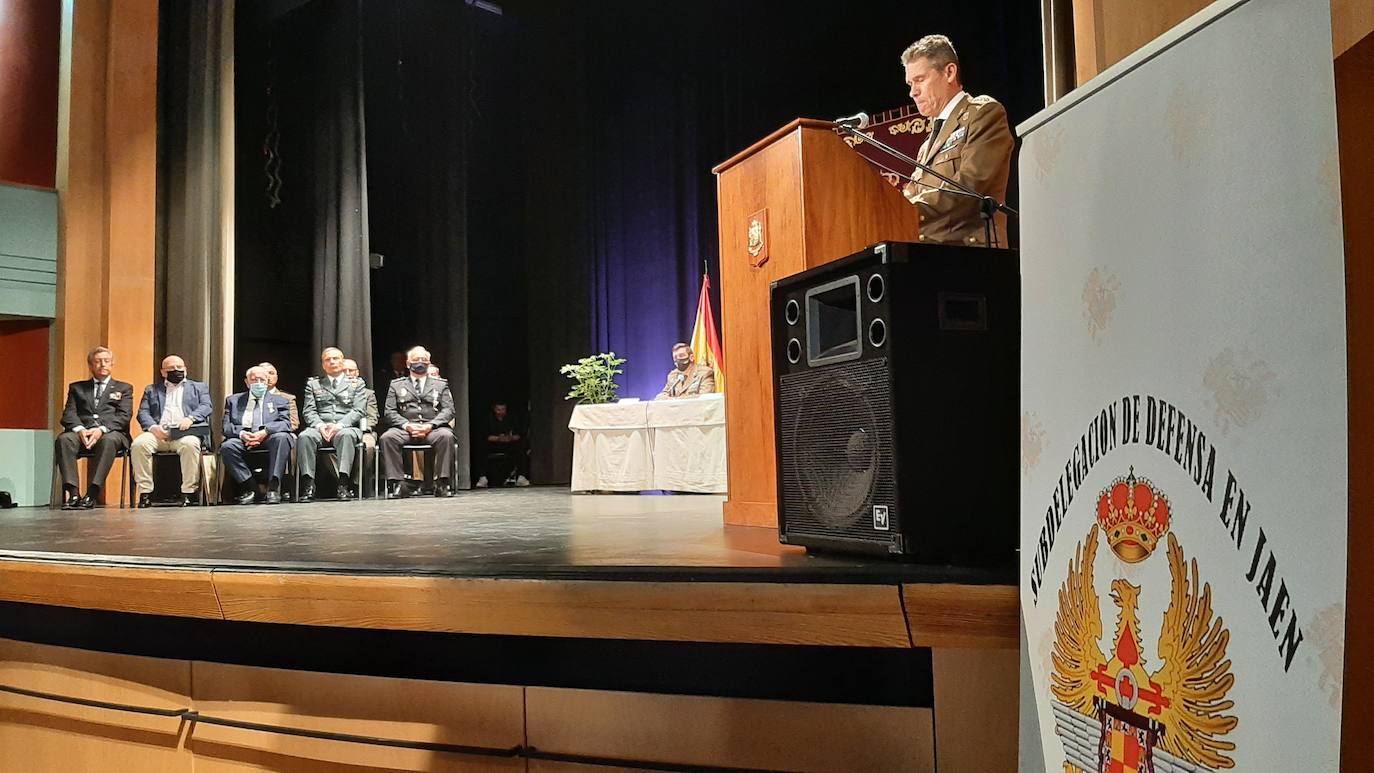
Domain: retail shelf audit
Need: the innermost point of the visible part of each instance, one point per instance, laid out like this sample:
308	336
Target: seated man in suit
256	420
335	406
95	418
418	410
970	142
687	379
290	398
175	416
370	423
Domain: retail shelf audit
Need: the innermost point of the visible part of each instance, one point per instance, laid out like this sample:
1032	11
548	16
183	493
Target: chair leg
123	477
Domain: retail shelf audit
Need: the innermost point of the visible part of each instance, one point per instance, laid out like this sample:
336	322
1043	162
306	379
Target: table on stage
672	445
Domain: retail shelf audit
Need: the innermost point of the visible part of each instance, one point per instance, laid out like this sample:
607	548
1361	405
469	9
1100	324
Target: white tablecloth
676	445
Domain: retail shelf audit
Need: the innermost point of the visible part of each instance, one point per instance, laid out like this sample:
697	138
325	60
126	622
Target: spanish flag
705	342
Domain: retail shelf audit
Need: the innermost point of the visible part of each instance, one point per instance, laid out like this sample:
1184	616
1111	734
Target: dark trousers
441	438
278	447
68	446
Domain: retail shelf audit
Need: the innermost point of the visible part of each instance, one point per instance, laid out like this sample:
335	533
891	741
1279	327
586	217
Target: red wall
23	389
30	40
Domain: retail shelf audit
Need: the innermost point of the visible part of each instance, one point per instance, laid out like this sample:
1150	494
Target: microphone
856	121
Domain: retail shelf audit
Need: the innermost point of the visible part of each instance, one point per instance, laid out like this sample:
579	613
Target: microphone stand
987	205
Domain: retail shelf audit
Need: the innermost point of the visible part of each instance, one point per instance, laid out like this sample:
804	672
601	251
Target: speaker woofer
876	287
793	311
794	351
877	333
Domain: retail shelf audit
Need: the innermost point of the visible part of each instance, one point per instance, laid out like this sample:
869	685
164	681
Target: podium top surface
783	131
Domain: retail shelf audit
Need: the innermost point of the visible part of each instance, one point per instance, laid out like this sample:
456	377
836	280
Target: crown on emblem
1134	515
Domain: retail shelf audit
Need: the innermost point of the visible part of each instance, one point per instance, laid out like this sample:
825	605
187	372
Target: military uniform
291	404
339	400
973	146
698	379
430	403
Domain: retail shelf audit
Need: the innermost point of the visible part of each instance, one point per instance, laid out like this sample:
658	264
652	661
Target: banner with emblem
1183	436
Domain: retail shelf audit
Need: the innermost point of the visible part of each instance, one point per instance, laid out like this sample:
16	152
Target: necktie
934	134
99	390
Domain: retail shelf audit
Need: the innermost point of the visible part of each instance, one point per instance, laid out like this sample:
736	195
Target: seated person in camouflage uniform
335	406
687	379
418	410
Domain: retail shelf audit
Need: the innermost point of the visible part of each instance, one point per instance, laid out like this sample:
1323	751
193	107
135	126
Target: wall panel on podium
794	200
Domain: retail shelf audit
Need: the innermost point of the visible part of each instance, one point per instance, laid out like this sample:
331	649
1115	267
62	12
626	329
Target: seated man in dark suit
96	418
418	410
174	416
254	420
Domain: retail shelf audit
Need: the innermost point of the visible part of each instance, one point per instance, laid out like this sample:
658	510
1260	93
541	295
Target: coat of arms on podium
758	238
1112	713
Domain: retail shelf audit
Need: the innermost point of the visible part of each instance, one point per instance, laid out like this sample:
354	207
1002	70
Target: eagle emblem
1112	712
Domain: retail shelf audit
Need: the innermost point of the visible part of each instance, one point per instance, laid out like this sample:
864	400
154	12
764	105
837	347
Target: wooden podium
794	200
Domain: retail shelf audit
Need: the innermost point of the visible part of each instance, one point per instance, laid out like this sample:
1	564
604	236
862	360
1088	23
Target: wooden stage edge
747	612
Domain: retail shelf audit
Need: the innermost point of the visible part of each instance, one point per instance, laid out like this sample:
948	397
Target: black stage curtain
620	109
302	271
194	193
342	308
417	74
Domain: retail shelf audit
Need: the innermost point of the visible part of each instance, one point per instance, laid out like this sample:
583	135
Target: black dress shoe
72	501
145	500
246	497
273	497
345	493
87	502
442	489
189	500
307	489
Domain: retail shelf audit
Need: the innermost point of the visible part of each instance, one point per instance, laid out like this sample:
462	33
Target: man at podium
970	141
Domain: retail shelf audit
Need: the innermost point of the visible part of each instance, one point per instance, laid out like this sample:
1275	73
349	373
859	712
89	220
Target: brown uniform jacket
974	147
698	379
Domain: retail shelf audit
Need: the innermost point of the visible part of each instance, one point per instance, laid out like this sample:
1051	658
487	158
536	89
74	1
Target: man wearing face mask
970	141
174	415
418	410
687	379
290	398
255	420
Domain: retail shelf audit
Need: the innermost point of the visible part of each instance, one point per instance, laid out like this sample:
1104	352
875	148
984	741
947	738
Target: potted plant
594	378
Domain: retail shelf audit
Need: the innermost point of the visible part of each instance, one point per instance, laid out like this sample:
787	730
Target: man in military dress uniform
970	141
368	449
418	410
687	378
335	406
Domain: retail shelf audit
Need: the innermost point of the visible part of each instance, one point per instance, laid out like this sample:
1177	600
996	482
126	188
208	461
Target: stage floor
543	532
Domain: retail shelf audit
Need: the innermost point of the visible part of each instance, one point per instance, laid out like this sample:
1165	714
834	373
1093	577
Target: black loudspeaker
896	401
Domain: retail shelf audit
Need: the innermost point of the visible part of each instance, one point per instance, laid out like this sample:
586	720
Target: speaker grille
836	450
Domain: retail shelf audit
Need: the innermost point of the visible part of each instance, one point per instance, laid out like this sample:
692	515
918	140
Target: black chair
411	448
201	476
356	474
125	475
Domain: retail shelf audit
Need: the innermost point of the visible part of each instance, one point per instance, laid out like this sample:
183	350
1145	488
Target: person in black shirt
507	442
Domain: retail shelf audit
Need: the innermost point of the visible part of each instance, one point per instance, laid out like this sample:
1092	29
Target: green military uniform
340	400
698	379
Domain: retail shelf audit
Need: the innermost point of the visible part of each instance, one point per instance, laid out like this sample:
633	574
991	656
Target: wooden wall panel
179	592
39	735
23	391
475	715
1354	106
976	704
30	35
760	613
730	732
107	183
